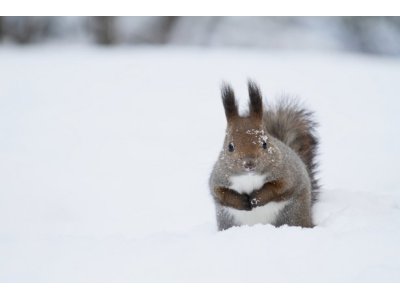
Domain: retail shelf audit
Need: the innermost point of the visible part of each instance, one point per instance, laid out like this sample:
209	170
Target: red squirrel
266	171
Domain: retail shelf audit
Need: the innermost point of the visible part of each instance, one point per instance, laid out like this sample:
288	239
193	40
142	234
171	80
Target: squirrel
266	171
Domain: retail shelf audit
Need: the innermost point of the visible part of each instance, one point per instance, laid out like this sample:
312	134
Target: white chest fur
265	214
247	183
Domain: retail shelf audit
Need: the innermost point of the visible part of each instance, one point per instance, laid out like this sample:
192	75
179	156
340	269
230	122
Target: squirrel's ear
229	101
256	106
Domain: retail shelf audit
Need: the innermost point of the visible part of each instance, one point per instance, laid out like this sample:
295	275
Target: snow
105	156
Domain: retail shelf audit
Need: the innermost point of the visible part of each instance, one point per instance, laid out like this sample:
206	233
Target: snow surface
105	156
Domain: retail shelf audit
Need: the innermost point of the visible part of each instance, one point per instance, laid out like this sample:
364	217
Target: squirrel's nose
249	164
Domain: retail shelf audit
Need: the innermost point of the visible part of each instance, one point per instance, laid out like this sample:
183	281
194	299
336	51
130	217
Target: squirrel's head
247	146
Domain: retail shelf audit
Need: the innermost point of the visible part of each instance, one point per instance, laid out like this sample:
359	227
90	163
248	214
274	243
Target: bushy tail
295	127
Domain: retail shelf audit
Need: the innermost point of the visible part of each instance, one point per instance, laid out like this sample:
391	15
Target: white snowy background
105	155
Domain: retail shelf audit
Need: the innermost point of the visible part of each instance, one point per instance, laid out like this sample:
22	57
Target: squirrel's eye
264	145
231	147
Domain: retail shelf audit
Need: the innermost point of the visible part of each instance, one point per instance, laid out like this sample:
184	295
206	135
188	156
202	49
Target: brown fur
231	198
244	143
277	190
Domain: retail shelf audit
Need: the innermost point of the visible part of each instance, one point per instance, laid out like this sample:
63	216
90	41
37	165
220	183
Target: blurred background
374	35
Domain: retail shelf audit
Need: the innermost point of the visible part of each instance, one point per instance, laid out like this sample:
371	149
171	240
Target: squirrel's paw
254	202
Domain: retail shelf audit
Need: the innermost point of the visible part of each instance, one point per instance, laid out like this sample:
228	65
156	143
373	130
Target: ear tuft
256	106
229	101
